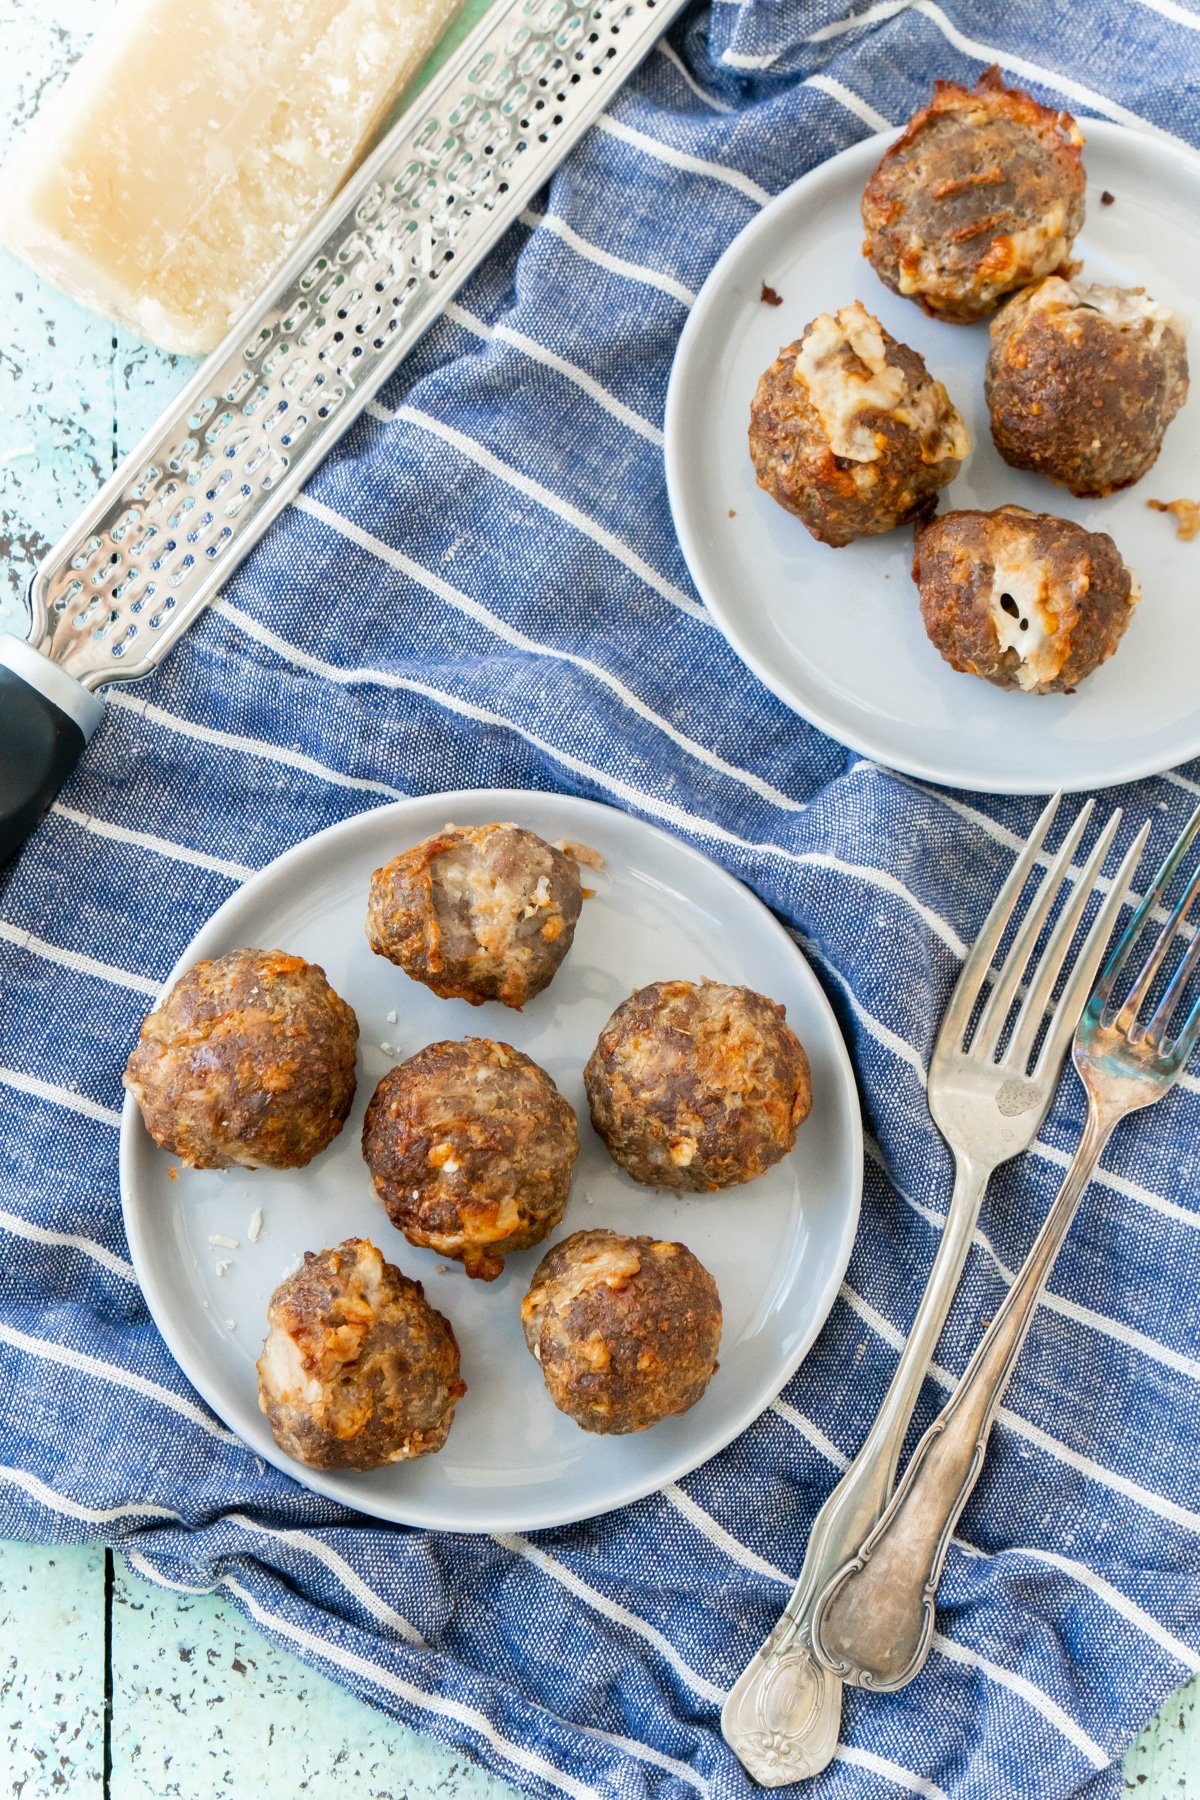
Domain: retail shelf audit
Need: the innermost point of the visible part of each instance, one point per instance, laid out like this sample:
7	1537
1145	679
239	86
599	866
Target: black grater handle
44	728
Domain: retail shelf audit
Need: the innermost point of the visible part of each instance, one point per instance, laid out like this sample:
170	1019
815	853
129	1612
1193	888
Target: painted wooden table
111	1689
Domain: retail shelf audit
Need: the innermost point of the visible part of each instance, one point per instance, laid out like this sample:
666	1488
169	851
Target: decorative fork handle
782	1716
874	1621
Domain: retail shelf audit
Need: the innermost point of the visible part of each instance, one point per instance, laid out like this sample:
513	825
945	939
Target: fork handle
874	1622
782	1716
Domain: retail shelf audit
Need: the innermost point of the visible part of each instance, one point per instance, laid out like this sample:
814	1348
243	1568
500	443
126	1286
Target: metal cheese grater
166	531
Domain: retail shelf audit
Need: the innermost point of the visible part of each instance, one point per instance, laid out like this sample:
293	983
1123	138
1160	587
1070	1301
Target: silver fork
782	1716
875	1620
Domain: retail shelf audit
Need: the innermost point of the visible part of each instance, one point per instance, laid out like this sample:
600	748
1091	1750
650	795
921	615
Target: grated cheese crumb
255	1228
220	1242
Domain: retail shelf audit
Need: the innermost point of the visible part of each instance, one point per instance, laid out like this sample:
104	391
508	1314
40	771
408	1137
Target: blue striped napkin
512	609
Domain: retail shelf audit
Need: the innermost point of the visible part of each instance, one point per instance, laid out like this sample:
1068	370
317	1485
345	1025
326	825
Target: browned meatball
698	1087
1082	382
471	1147
981	194
248	1060
357	1369
626	1329
479	912
849	431
1022	599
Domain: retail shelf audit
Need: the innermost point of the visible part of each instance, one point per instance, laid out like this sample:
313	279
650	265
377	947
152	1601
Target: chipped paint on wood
51	1672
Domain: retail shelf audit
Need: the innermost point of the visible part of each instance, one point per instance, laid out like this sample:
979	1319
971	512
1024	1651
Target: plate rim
134	1140
866	150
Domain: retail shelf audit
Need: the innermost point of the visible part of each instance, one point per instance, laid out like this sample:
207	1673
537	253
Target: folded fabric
480	588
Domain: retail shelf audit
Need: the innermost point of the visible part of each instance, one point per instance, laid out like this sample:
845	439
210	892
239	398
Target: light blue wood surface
203	1706
200	1706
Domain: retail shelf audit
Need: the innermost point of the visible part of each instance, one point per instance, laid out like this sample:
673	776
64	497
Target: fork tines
1152	977
987	1038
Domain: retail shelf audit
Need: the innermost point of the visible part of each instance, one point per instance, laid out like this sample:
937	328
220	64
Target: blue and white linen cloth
482	587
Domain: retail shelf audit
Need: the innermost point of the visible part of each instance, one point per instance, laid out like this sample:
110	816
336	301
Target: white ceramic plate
778	1247
837	633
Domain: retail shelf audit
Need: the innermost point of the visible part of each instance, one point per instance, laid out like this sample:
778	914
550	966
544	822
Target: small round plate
837	634
778	1247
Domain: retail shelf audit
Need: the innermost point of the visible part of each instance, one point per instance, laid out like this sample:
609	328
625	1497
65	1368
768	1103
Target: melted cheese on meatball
1033	246
282	1371
843	364
1129	309
840	392
608	1265
1028	624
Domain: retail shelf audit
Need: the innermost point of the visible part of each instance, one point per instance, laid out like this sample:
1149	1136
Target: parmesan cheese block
194	143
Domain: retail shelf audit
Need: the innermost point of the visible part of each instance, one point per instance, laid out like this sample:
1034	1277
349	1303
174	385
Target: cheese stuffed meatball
357	1370
248	1060
471	1148
1022	599
697	1086
626	1329
980	195
849	431
479	912
1082	382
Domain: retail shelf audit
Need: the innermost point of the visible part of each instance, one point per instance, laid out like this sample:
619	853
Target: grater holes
257	399
181	455
84	556
236	441
71	592
234	392
105	571
312	331
369	205
339	327
204	411
132	577
142	487
101	630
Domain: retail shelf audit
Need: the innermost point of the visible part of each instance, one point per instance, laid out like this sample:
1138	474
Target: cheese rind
192	145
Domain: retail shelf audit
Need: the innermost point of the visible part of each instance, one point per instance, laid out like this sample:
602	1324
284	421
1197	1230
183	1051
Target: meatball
471	1148
1082	382
697	1087
981	194
849	431
479	912
249	1060
626	1329
357	1370
1022	599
